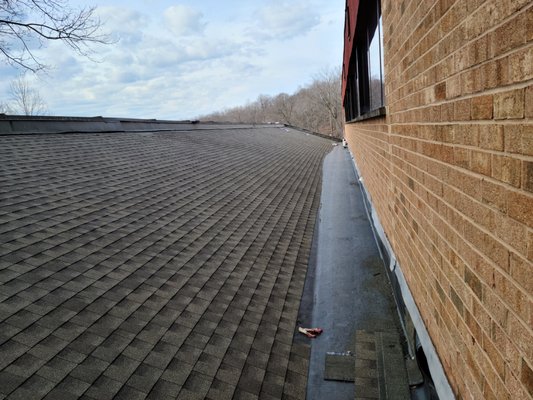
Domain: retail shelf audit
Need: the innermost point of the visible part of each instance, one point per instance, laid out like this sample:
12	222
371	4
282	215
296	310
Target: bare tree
25	25
316	107
265	106
5	108
326	92
26	100
284	105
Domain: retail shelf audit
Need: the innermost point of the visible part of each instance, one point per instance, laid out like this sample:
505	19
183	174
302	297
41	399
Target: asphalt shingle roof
163	265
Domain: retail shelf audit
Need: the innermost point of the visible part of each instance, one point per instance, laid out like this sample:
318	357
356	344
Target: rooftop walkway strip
348	291
164	265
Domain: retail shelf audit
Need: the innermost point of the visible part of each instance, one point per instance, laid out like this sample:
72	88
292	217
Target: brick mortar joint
516	156
467	172
487	32
484	230
471	67
500	89
406	25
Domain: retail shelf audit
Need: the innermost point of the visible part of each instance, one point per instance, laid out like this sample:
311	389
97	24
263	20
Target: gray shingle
165	265
9	382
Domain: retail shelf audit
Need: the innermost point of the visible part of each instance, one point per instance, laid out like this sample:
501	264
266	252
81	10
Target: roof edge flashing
26	125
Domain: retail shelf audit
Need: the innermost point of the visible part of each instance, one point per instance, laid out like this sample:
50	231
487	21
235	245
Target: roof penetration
157	264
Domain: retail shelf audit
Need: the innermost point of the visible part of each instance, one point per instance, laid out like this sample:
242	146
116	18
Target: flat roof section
155	264
350	297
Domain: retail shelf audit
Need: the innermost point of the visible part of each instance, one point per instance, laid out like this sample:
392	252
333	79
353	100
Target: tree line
316	107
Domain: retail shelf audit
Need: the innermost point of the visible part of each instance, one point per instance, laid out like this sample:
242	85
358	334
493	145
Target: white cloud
170	63
184	20
124	24
284	20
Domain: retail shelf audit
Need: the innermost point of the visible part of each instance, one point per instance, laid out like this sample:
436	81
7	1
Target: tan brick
453	87
489	246
521	65
521	272
467	135
467	183
488	392
509	104
456	301
474	283
461	157
479	50
529	24
530	245
446	133
461	59
495	357
433	113
480	162
445	154
506	169
502	393
496	73
474	327
527	175
476	378
468	81
521	335
491	137
528	111
526	377
509	350
513	296
527	139
482	107
514	385
479	79
508	36
495	195
474	210
496	251
497	310
472	5
440	91
446	111
521	207
482	316
515	5
461	110
513	138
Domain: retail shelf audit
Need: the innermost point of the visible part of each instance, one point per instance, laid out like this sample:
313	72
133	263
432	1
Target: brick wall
450	173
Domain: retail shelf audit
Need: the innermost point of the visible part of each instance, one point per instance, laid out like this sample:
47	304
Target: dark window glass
365	83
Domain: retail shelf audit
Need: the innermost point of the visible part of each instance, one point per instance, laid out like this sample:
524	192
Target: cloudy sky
184	58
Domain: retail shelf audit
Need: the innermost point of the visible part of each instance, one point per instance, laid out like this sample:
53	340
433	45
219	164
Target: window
347	29
364	87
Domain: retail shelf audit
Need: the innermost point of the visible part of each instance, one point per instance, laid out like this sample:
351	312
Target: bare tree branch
5	108
284	105
25	99
26	25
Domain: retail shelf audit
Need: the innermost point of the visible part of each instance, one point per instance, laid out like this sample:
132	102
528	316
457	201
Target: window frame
358	101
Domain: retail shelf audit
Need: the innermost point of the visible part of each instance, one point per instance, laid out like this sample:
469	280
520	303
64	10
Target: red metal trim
352	6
